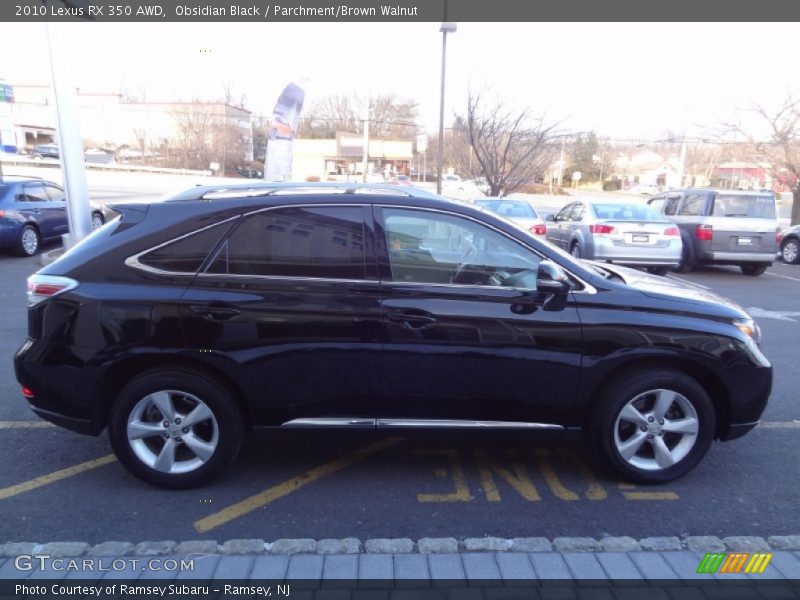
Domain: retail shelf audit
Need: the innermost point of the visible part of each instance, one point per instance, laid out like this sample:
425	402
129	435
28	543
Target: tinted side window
55	193
185	255
657	204
35	193
320	242
563	214
577	213
426	247
671	205
693	205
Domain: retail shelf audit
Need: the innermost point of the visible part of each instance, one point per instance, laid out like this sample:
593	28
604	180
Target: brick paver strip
204	567
375	566
446	566
584	566
411	566
685	564
549	565
617	565
305	566
652	565
234	567
786	563
515	565
482	565
341	566
270	567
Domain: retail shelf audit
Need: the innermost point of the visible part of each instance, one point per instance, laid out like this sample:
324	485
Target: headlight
750	328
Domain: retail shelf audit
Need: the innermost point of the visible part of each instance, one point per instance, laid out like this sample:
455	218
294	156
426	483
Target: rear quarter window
185	254
741	205
693	205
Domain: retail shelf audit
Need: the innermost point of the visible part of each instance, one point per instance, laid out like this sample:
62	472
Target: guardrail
6	159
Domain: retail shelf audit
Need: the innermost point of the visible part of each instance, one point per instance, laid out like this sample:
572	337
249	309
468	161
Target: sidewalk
430	559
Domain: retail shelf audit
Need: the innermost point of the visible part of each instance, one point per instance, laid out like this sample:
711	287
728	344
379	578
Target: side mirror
550	217
552	280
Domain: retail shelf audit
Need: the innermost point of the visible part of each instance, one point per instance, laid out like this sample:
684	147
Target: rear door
35	205
557	232
743	223
290	306
58	208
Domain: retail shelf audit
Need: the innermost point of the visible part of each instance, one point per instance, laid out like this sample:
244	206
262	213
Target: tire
29	241
609	430
97	221
216	435
685	265
790	251
660	271
575	250
753	270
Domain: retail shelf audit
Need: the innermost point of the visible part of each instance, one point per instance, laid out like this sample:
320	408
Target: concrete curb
406	546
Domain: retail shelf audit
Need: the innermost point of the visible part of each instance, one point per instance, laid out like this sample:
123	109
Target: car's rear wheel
29	241
97	221
685	264
652	426
575	250
175	428
790	251
753	270
658	270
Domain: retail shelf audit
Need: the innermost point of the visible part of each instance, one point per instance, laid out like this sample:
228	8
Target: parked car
33	212
625	233
402	180
186	322
790	245
98	157
647	189
723	227
517	210
45	151
452	180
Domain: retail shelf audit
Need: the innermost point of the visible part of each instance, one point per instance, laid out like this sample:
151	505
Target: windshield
627	212
510	209
740	205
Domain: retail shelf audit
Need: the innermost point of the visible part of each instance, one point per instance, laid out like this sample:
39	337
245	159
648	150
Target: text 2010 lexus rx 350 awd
184	323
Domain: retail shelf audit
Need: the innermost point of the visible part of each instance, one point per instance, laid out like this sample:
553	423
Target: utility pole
70	141
445	28
561	163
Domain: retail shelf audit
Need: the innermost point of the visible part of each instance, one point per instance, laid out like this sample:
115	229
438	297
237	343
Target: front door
467	334
291	302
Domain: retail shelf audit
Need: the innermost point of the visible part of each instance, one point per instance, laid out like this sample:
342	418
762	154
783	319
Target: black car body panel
296	348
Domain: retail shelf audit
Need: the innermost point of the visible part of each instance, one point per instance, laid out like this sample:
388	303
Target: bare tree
329	115
512	148
782	147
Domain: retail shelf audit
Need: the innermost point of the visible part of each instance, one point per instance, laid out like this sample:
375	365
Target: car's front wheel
652	426
175	428
97	221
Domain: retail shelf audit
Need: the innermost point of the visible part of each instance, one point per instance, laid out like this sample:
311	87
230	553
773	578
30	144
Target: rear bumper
739	257
669	256
85	426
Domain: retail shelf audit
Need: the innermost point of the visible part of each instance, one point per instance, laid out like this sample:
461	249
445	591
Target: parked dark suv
724	227
184	323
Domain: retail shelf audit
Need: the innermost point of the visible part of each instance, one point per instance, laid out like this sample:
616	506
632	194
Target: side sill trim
415	423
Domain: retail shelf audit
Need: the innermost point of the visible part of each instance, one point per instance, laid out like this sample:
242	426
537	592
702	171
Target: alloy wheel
30	241
172	431
789	252
656	429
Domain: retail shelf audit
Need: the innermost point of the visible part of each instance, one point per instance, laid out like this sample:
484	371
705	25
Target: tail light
602	229
704	233
27	392
778	233
672	231
2	214
41	287
539	229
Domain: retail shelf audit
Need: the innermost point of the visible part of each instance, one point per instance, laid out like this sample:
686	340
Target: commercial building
342	158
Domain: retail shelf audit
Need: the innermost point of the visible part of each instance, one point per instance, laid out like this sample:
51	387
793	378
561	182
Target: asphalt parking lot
56	485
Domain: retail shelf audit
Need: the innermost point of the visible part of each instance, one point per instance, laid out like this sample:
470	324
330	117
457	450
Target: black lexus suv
184	323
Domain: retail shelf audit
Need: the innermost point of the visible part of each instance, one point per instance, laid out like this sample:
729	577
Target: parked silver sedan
517	210
625	233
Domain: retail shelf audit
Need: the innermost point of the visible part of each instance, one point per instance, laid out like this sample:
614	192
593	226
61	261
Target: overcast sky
634	80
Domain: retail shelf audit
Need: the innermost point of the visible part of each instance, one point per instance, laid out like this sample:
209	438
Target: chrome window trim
588	288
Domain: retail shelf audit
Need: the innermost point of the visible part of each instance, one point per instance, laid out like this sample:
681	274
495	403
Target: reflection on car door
293	296
467	337
58	206
35	205
560	224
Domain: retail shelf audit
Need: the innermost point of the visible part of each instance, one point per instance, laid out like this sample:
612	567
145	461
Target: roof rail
268	188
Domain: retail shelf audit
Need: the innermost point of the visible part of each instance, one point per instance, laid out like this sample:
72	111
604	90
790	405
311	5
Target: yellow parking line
292	485
32	484
25	424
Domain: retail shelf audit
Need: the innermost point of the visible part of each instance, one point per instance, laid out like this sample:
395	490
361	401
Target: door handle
214	313
412	320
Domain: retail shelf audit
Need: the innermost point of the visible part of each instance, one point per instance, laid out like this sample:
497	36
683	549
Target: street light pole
446	27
